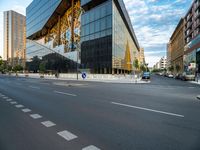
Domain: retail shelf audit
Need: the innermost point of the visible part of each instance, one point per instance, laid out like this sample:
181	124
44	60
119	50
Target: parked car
146	75
170	75
187	76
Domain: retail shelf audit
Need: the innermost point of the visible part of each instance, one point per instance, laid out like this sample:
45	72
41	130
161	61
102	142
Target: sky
153	21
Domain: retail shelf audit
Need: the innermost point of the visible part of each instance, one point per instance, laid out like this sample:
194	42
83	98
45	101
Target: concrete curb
198	97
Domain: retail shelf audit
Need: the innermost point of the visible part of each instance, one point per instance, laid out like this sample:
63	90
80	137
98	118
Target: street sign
84	75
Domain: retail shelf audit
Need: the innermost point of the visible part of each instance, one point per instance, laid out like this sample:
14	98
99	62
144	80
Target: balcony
188	25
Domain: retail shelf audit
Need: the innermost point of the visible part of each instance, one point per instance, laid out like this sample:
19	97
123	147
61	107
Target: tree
17	68
42	67
136	64
171	68
178	68
143	68
1	61
1	65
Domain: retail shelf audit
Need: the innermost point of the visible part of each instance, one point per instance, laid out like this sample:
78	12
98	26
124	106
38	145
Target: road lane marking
191	87
19	106
67	135
69	94
8	100
13	102
4	97
48	124
34	87
26	110
91	147
147	109
35	116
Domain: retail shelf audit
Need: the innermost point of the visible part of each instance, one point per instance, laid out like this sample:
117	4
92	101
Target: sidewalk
195	82
91	78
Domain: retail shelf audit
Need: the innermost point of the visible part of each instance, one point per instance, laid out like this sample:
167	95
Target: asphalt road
39	114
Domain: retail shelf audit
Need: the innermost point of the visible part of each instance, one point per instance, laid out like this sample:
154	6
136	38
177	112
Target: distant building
169	49
192	38
14	38
161	64
176	47
142	57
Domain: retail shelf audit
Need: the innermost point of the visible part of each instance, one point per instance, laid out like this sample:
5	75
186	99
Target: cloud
154	21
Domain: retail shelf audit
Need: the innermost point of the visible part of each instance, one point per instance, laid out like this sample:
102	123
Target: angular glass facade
38	13
99	30
108	43
124	49
96	38
57	36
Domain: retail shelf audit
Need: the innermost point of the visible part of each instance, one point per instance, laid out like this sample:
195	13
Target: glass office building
95	35
108	41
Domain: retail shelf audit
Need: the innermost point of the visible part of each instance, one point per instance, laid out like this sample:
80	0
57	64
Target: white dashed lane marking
8	100
63	93
19	106
34	87
35	116
13	102
48	124
26	110
67	135
91	147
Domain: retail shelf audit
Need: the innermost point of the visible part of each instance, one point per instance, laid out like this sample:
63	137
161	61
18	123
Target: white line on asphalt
19	106
69	94
91	147
191	87
35	116
13	102
48	124
67	135
26	110
147	109
8	100
34	87
4	97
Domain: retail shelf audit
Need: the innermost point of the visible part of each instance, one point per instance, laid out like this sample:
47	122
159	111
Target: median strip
147	109
68	94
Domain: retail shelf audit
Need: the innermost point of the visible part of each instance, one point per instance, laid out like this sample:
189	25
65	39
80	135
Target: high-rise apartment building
141	57
14	38
192	38
93	35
